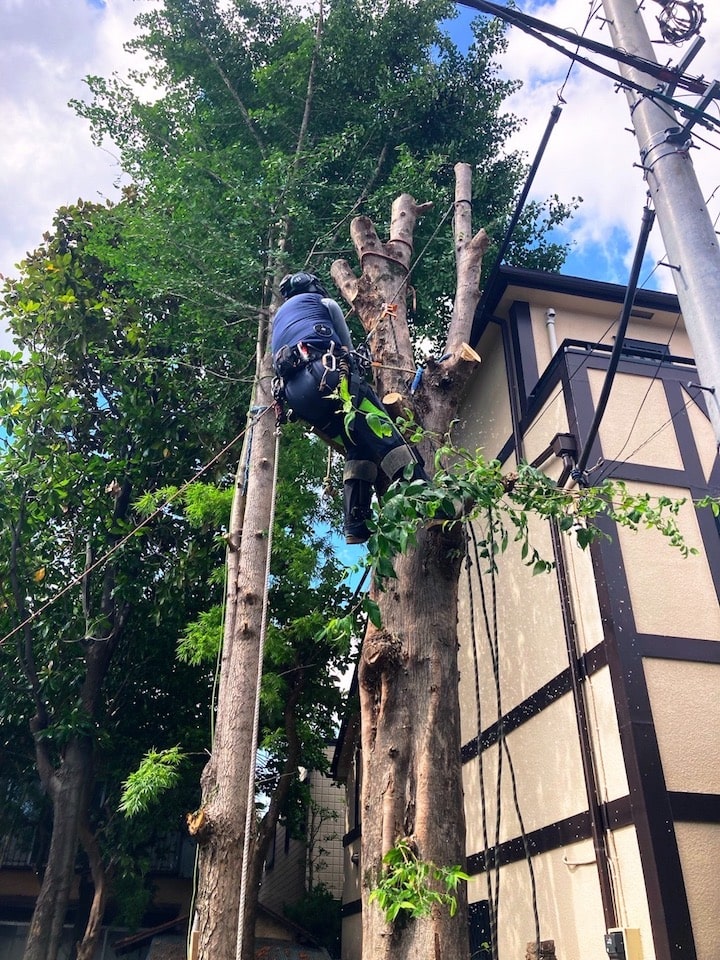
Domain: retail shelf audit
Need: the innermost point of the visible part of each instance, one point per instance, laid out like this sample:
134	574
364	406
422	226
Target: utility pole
691	243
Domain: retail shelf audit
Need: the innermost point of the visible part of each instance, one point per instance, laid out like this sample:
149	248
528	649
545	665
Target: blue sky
48	159
591	153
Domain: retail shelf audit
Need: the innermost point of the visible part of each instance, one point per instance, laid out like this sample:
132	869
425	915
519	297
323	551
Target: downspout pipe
550	327
647	223
597	829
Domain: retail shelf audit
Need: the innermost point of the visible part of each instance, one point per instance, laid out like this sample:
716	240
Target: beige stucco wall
637	426
704	438
685	703
686	713
671	594
568	901
531	644
608	760
583	593
546	760
577	318
485	421
551	419
699	847
631	902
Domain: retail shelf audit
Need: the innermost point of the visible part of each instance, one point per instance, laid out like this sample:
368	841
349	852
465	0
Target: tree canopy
253	134
258	130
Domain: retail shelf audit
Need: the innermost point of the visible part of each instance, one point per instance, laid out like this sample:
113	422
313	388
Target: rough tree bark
68	779
87	947
410	719
219	824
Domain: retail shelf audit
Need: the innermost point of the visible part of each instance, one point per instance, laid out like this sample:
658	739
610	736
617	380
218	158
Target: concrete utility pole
690	241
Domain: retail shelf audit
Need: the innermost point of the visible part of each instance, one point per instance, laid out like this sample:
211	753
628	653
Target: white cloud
48	158
591	153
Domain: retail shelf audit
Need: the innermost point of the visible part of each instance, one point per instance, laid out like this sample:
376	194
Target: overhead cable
646	227
539	28
519	207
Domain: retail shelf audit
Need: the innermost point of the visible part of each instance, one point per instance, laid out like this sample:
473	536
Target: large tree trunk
69	784
68	789
410	742
410	718
220	822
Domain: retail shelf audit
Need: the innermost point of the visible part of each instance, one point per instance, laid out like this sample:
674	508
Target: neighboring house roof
267	950
265	947
578	286
543	280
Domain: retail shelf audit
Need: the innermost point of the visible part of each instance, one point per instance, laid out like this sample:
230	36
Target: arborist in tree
316	363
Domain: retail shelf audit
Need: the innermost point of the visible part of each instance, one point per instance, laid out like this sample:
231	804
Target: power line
593	11
538	28
128	536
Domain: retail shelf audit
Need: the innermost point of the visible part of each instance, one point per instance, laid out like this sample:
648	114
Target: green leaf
373	611
158	772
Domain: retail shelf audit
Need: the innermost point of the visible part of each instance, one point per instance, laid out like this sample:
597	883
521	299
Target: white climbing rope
250	812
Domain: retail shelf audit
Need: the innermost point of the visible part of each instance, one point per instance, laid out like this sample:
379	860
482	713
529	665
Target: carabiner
329	360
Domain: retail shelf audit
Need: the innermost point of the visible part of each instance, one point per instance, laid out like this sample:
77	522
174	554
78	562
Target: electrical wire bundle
680	19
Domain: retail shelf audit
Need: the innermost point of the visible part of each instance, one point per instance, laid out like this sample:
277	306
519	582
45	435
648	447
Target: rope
250	811
128	536
481	763
502	744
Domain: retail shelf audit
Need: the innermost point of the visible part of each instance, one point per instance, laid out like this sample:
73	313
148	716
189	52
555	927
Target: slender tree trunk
68	790
69	785
410	717
260	840
87	947
221	819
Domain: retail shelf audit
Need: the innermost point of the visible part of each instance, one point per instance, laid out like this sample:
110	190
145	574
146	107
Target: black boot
358	480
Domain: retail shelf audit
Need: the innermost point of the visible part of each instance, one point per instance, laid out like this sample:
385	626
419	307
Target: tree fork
408	672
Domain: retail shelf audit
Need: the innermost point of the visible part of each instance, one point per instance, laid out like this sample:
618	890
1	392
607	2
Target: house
589	695
292	868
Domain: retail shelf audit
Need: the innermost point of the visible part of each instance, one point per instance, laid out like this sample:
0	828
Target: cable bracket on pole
669	141
698	112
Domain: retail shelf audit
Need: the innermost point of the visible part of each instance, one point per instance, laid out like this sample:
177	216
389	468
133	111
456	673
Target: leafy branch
475	489
409	888
159	770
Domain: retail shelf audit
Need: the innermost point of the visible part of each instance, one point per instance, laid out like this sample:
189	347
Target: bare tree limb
469	252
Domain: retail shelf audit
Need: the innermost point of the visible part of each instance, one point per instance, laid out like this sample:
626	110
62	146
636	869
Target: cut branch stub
382	653
405	213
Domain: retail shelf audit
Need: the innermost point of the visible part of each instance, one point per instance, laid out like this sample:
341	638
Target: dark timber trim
652	808
557	687
525	356
351	908
545	839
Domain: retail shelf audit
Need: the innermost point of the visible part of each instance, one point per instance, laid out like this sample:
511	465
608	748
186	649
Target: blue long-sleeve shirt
312	319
